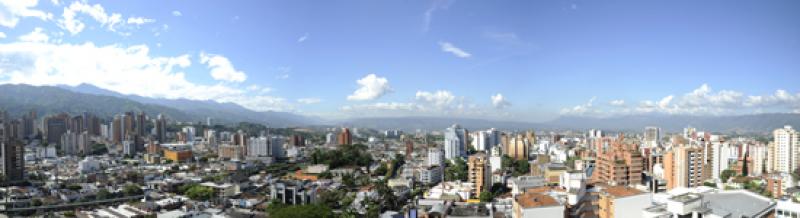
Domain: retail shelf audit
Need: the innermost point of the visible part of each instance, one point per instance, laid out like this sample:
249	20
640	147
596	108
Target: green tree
486	197
103	194
200	193
456	170
726	174
311	210
131	190
521	167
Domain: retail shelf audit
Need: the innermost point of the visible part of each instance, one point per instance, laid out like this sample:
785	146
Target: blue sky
510	60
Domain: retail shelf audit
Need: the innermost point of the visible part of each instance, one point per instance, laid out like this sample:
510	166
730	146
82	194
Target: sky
503	60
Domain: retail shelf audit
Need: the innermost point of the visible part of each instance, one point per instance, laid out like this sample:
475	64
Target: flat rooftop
529	200
739	203
622	191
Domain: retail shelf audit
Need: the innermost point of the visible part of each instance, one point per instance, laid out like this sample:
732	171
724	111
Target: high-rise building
487	139
190	133
117	129
28	122
652	135
141	119
455	142
297	140
55	126
276	149
619	164
69	143
12	153
409	149
330	138
759	158
344	137
518	148
721	158
161	128
258	147
787	149
478	173
435	156
683	167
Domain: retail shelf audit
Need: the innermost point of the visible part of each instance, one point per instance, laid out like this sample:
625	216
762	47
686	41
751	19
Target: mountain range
19	99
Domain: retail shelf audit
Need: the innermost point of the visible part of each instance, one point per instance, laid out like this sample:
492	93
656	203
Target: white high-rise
454	142
758	154
435	157
786	151
651	136
486	140
257	147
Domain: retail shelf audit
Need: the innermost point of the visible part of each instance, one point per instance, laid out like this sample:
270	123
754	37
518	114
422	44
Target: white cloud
435	6
113	22
284	76
12	10
140	20
618	102
700	101
2	35
177	13
123	69
221	68
581	110
381	106
439	99
37	35
309	100
450	48
499	102
302	38
370	87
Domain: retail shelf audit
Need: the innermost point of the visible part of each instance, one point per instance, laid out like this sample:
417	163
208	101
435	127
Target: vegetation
345	155
710	184
517	167
457	170
200	193
726	174
278	210
132	190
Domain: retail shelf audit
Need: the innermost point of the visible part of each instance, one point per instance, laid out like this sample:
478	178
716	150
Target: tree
486	197
522	167
131	190
103	194
382	170
456	171
311	210
200	193
331	198
74	187
726	174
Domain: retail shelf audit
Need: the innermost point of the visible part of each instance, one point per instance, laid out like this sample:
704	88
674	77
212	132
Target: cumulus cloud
440	99
221	68
381	106
2	35
37	35
177	13
309	100
71	22
371	87
11	11
582	109
499	102
450	48
700	101
124	69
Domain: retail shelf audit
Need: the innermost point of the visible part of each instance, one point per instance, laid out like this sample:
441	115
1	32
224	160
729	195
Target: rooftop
739	203
529	200
622	191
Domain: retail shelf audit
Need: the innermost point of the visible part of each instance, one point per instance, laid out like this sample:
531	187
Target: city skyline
530	60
